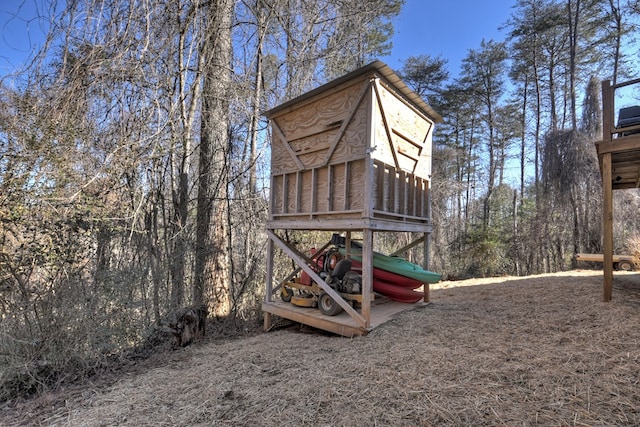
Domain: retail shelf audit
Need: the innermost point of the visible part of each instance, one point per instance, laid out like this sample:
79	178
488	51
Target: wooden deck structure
353	155
619	158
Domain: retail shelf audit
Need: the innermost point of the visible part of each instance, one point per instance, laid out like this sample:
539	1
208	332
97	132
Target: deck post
269	284
427	247
367	274
607	226
607	189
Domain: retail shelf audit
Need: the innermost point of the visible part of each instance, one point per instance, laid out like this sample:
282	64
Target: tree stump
188	324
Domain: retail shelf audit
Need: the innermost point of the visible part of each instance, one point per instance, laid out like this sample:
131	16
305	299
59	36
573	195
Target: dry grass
541	350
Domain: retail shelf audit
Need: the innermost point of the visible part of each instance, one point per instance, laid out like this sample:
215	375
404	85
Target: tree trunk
257	96
573	47
181	161
617	15
211	281
179	245
516	237
523	139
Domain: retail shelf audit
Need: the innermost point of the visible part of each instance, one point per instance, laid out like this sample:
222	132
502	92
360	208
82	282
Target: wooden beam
336	324
627	83
329	188
624	186
345	124
369	162
627	143
391	190
402	192
330	223
381	170
286	144
607	226
285	193
267	296
298	192
385	123
314	191
295	272
409	246
272	196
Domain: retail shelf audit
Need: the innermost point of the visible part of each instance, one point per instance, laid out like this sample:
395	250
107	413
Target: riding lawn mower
336	271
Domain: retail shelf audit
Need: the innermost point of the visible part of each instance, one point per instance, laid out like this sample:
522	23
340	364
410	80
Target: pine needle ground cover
541	350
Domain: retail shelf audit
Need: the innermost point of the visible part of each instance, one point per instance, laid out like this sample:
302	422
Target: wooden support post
427	239
285	193
269	287
314	191
427	236
367	275
607	188
345	189
607	225
425	265
298	192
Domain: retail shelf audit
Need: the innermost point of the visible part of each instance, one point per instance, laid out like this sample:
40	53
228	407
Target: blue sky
23	28
448	28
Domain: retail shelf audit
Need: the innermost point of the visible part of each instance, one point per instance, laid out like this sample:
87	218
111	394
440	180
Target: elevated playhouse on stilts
350	157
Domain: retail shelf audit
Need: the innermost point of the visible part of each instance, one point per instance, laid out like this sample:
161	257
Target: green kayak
396	265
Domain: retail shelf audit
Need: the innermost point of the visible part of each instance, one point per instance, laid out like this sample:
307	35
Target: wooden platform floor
382	310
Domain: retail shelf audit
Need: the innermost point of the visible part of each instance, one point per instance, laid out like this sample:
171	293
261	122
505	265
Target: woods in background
133	167
516	185
134	158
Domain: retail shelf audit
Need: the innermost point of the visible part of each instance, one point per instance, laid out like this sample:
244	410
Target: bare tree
483	72
211	275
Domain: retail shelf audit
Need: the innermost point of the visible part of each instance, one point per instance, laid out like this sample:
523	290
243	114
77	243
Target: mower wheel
328	306
286	294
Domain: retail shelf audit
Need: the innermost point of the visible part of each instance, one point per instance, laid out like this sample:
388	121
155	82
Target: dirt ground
541	350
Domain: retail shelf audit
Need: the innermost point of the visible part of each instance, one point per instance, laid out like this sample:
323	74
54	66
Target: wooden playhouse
353	155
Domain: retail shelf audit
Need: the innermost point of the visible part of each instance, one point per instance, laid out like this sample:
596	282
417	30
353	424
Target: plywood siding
402	135
316	133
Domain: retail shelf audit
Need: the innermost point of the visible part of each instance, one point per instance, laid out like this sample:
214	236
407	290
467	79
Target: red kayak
397	293
388	277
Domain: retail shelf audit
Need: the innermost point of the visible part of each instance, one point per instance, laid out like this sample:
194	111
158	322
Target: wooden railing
609	130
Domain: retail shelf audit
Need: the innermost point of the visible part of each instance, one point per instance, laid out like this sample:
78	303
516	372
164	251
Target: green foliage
426	76
484	254
361	32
